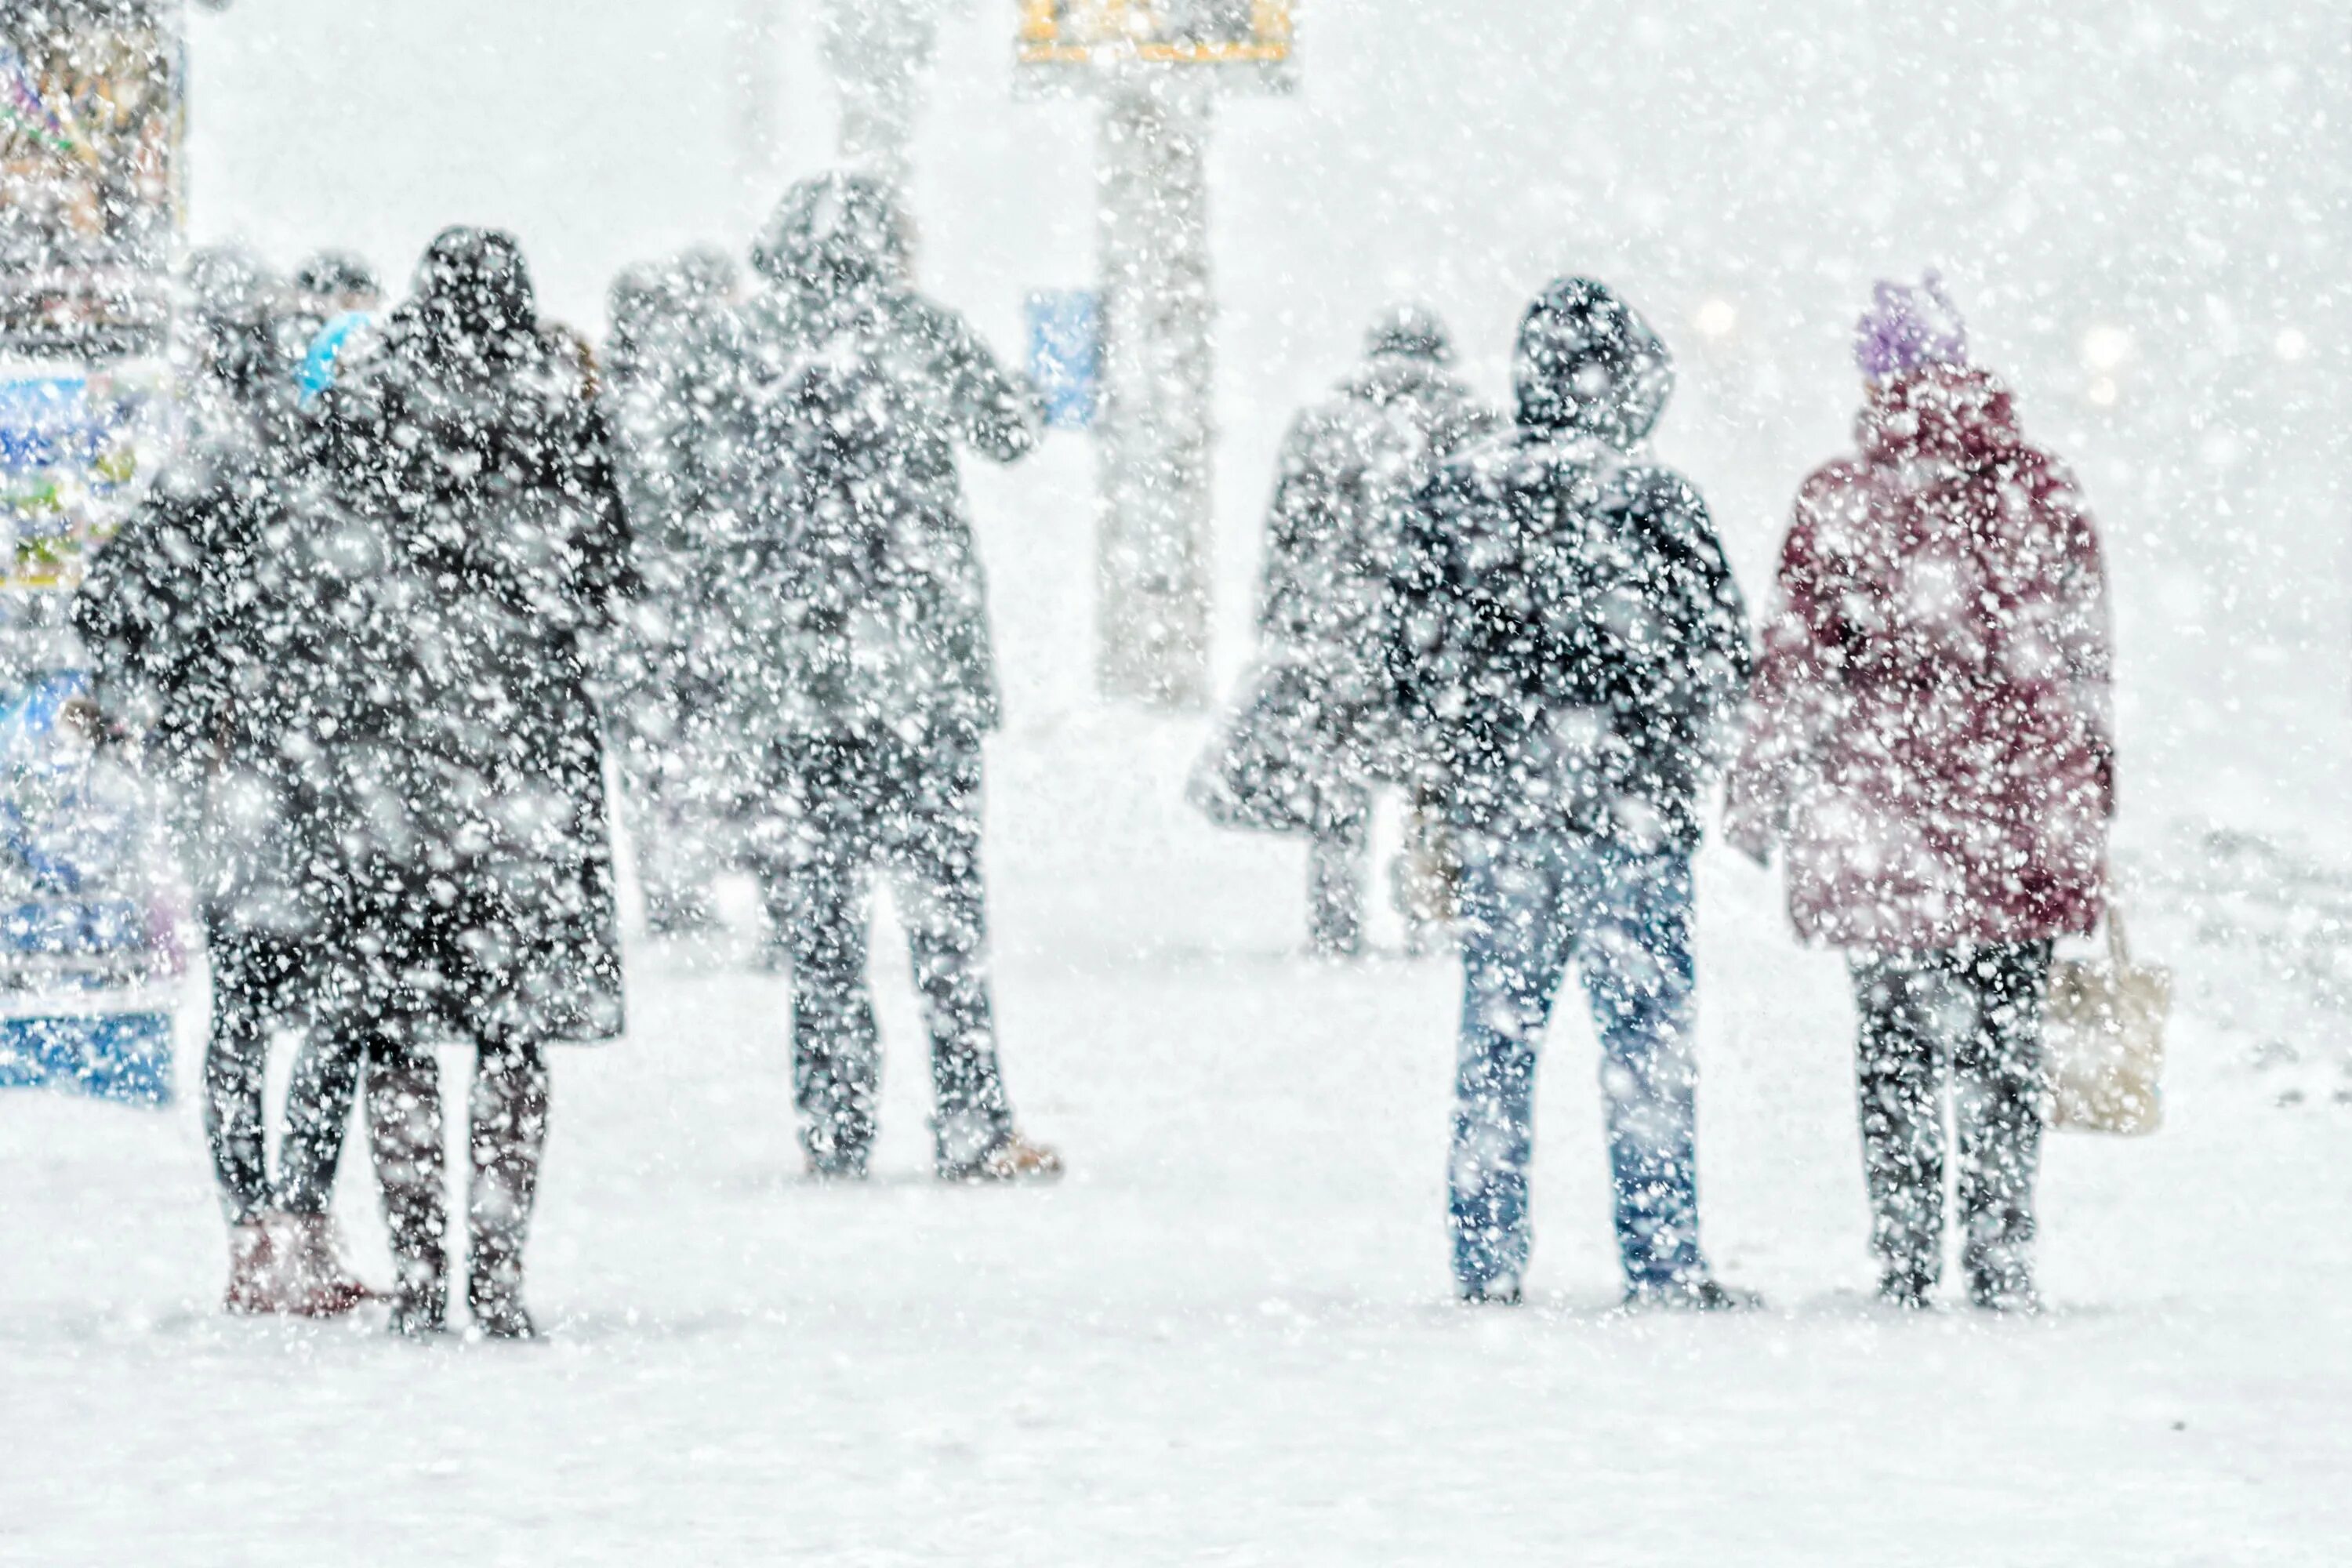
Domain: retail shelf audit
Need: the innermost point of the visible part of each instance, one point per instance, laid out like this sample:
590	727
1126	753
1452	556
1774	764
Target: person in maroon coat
1928	738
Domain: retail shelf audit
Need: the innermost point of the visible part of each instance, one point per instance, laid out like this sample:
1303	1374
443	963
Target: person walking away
1317	728
868	666
201	620
671	361
1929	738
467	445
1571	647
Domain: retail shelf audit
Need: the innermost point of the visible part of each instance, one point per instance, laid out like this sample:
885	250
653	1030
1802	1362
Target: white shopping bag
2103	1040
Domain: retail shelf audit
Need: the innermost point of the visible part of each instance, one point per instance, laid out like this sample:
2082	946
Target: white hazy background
2150	194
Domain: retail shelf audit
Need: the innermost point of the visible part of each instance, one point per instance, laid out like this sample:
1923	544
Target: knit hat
1411	330
1906	327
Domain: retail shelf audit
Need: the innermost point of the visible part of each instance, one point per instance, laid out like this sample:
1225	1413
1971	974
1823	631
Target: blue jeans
1531	904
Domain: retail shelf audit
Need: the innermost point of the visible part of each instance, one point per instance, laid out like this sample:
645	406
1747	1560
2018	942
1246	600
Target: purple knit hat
1906	327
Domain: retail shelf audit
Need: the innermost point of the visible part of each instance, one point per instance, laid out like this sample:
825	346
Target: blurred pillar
1157	426
878	51
754	59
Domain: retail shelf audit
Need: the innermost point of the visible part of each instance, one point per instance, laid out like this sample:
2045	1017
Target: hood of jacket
474	303
1953	415
1589	366
836	234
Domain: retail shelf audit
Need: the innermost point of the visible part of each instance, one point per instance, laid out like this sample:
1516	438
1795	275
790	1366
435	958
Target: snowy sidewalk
1226	1339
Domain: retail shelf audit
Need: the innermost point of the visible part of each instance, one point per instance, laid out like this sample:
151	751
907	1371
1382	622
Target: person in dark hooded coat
208	622
1571	648
1318	727
465	438
865	663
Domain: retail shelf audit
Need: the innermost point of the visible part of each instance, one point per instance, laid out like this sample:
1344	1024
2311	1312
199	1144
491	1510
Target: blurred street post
1156	70
754	45
878	51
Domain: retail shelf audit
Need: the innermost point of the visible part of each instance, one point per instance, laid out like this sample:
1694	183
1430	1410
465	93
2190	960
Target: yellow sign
1156	32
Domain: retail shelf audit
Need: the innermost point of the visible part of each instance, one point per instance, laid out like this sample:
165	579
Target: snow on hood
1939	413
473	298
836	232
1589	364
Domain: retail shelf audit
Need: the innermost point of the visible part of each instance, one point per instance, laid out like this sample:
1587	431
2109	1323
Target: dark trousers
507	1138
858	807
1338	861
1971	1015
261	984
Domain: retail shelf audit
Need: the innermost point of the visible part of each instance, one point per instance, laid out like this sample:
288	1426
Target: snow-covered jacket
1570	643
213	624
851	575
465	443
1316	715
1929	732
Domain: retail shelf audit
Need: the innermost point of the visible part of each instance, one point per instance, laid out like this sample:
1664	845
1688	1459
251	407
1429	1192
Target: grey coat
1315	719
851	576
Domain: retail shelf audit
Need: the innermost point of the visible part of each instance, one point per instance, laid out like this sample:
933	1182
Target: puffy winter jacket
1928	733
1570	642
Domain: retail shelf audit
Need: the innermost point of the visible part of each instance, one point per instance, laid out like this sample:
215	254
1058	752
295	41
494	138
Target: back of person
1570	643
1349	470
1954	785
853	578
1570	638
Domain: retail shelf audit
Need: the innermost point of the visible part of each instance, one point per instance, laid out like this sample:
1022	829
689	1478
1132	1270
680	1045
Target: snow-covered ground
1227	1337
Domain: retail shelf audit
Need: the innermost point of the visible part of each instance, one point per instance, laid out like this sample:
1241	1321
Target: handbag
2103	1040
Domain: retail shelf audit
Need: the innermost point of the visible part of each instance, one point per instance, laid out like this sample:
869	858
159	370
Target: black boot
404	1106
508	1136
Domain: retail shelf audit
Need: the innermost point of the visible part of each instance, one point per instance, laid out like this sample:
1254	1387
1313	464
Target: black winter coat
477	458
1570	643
214	623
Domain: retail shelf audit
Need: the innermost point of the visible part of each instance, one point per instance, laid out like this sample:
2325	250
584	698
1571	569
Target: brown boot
1012	1158
319	1284
508	1137
252	1270
404	1105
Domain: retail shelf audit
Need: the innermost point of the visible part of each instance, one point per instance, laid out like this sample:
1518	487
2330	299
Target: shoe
2010	1295
1906	1294
418	1315
253	1282
839	1165
1502	1291
1999	1281
318	1285
1010	1158
499	1315
1701	1294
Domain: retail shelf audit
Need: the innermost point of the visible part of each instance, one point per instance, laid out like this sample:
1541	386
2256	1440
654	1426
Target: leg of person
403	1106
1898	1076
1996	1103
935	847
1631	914
506	1113
836	1047
1338	860
234	1060
1423	877
318	1112
1514	954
